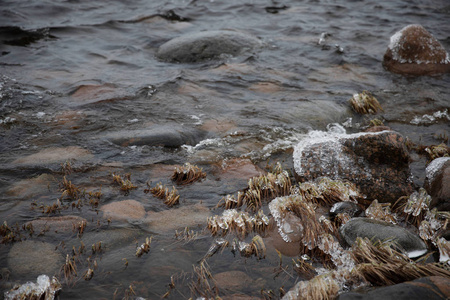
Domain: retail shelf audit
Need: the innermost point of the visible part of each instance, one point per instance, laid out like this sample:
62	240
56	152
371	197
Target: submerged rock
123	210
414	51
166	136
437	183
28	259
55	155
430	288
63	224
383	231
200	46
378	163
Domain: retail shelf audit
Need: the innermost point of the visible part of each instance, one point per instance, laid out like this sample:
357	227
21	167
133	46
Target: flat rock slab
32	187
382	231
64	224
28	259
164	136
55	155
123	210
430	288
207	45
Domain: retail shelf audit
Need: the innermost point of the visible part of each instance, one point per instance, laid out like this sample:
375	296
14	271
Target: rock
383	231
239	169
352	209
33	187
86	94
28	259
430	288
437	183
414	51
166	136
64	224
232	280
201	46
55	155
378	163
172	219
123	210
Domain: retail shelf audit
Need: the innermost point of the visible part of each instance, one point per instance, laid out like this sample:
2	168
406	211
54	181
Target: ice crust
43	287
434	167
430	119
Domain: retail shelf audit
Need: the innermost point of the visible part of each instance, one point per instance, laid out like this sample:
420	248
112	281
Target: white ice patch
197	118
434	167
43	286
429	119
133	121
40	114
208	143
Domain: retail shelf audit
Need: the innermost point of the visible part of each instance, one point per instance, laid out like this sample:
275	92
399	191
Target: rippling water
74	73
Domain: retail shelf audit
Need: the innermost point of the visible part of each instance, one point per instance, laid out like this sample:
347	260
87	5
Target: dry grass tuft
203	284
144	248
69	190
365	103
379	264
241	223
256	247
380	211
414	208
69	269
320	287
171	197
187	174
125	184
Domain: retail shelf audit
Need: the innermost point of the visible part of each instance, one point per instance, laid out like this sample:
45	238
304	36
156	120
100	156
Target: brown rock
414	51
378	163
232	280
55	155
56	224
437	183
123	210
86	94
28	188
237	168
30	259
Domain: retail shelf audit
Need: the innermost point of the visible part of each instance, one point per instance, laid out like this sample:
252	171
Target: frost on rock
430	119
44	288
434	167
414	44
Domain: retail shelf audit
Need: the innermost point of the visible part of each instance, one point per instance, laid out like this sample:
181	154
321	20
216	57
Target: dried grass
188	174
170	197
365	103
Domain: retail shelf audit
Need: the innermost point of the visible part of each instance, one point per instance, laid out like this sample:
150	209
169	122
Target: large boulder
382	231
414	51
437	183
201	46
430	288
377	162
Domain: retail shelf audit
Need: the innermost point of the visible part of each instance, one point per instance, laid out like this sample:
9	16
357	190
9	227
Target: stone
378	163
32	187
383	231
172	219
414	51
123	210
64	224
55	155
437	183
207	45
232	280
430	288
86	94
350	208
165	136
28	259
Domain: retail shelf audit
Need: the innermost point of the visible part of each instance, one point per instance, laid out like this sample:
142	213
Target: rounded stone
30	259
378	230
201	46
437	183
414	51
123	210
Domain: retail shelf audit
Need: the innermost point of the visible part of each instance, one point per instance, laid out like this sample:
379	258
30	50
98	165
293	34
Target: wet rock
123	210
430	288
414	51
55	155
378	163
201	46
437	183
350	208
232	280
28	188
64	224
275	240
86	94
239	169
170	220
165	136
383	231
28	259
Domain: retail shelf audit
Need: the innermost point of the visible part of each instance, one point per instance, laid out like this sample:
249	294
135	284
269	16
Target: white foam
429	119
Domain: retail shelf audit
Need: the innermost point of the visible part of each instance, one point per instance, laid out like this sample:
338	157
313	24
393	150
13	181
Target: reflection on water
80	86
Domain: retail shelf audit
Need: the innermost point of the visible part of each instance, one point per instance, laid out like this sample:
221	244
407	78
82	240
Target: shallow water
75	73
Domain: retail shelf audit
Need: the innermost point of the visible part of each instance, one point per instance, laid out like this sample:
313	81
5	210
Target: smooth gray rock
382	231
437	183
165	136
201	46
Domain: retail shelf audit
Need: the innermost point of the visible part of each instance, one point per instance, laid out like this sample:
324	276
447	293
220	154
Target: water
73	73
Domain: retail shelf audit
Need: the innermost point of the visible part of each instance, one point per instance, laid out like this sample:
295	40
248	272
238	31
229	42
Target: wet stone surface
437	183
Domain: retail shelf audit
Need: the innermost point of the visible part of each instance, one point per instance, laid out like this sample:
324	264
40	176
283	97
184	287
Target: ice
430	119
434	167
30	290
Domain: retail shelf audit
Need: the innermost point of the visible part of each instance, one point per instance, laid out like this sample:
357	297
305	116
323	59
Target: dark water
73	73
